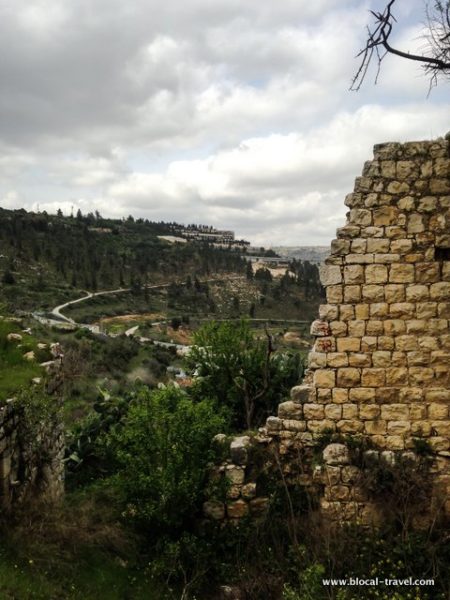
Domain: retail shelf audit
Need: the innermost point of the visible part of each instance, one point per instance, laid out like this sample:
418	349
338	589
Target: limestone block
340	395
349	411
378	246
353	199
437	326
385	215
369	411
427	204
334	294
348	377
326	344
361	311
350	426
340	247
398	187
330	274
420	375
394	326
333	412
373	232
381	358
417	411
394	293
233	492
320	328
328	312
387	168
348	231
359	259
406	343
376	427
356	328
348	344
440	291
240	444
386	342
373	377
373	293
324	378
235	474
374	327
369	343
427	343
274	424
398	427
290	410
320	426
248	491
437	395
442	167
401	273
443	310
439	444
361	216
301	394
440	186
426	310
237	509
360	360
362	395
406	204
352	293
417	293
379	310
415	223
317	360
395	412
346	312
359	246
336	454
427	272
417	326
313	411
437	411
395	442
338	328
353	274
376	274
407	169
337	359
293	425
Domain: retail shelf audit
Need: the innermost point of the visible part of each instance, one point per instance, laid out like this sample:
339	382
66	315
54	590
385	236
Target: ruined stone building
380	366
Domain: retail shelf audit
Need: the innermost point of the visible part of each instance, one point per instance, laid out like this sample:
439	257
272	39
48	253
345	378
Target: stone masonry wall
31	464
380	366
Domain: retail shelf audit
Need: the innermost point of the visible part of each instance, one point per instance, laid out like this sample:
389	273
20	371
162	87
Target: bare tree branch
436	60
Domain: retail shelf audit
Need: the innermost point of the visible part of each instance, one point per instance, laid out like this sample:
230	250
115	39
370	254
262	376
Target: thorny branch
435	60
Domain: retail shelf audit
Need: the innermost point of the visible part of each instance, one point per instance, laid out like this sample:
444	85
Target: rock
36	380
29	355
238	449
228	592
248	491
336	454
213	509
14	337
56	350
237	510
320	328
234	474
41	346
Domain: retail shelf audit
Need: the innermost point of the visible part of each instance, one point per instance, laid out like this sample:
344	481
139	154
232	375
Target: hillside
312	254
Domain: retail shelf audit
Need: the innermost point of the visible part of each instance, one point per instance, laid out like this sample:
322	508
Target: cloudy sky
234	113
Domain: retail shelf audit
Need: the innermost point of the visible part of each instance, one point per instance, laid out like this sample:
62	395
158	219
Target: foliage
161	450
241	371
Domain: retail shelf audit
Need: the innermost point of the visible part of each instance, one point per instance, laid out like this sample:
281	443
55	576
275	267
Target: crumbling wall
380	366
31	458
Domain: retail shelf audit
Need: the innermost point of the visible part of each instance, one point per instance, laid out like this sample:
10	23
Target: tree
436	59
8	278
161	450
241	371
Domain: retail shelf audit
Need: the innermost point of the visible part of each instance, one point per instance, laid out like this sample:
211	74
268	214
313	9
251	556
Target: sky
231	113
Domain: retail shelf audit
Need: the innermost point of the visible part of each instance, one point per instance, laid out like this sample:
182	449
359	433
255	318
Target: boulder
336	454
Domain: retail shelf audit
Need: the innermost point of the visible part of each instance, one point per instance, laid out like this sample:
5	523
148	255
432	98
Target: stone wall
380	366
31	460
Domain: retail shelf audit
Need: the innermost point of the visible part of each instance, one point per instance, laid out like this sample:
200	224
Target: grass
16	371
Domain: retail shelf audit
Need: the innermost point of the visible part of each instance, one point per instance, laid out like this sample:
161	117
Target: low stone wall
31	462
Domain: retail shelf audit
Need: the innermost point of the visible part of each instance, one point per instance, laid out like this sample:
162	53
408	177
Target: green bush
161	450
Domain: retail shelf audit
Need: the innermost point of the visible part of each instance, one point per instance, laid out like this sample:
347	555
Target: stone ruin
380	367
